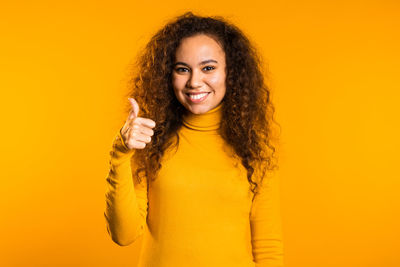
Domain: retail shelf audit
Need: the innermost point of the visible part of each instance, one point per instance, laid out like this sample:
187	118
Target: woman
190	167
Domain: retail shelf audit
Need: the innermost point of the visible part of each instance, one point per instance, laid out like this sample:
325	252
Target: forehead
199	47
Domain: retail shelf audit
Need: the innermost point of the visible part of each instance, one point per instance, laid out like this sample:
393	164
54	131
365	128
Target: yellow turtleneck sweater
200	210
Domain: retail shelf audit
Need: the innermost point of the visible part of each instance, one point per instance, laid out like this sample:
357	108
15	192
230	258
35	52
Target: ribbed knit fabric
200	210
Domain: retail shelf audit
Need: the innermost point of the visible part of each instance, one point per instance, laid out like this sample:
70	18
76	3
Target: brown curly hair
247	95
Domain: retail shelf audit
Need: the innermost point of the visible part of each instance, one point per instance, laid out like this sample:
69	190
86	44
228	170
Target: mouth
197	97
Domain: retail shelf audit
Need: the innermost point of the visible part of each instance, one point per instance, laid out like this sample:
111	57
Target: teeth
198	96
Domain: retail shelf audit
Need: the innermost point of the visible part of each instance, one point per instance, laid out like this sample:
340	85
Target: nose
195	80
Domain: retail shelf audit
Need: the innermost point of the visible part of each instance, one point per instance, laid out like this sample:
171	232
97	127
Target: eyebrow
201	63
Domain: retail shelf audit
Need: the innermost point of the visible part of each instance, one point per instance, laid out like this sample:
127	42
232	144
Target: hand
137	131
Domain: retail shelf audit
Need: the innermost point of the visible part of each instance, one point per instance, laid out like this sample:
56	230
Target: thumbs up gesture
137	131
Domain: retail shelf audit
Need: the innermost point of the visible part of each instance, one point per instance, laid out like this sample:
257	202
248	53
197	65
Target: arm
126	200
265	222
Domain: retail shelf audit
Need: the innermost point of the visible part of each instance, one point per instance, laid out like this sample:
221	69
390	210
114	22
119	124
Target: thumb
135	107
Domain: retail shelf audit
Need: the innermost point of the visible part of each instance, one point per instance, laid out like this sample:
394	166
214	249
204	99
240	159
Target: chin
199	110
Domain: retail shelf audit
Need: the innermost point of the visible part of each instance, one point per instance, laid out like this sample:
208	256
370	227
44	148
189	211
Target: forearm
124	219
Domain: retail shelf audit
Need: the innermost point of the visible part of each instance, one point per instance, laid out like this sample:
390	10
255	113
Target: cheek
178	82
217	81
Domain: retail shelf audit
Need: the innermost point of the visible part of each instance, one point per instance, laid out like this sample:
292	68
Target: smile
197	98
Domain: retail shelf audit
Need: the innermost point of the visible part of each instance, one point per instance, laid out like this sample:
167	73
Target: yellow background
335	79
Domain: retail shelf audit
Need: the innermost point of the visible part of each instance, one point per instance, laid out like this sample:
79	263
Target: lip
196	93
197	100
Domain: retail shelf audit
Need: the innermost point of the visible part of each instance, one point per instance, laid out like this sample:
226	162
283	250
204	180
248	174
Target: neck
208	121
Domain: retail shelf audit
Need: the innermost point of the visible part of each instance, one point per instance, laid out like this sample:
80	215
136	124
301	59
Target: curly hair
247	96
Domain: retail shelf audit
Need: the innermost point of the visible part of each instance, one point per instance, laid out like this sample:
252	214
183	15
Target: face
198	77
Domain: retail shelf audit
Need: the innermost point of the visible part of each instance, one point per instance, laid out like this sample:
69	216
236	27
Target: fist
137	131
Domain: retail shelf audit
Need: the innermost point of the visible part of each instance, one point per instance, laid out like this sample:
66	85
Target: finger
135	108
146	130
141	137
138	144
145	122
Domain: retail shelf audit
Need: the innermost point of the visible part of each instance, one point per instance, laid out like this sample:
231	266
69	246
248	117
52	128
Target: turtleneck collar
209	121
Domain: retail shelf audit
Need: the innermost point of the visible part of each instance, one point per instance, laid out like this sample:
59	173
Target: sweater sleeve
126	200
265	222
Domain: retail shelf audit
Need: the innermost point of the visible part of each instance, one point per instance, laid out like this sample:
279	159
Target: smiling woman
199	74
194	173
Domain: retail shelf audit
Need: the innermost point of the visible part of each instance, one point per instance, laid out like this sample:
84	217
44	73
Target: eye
208	68
181	69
